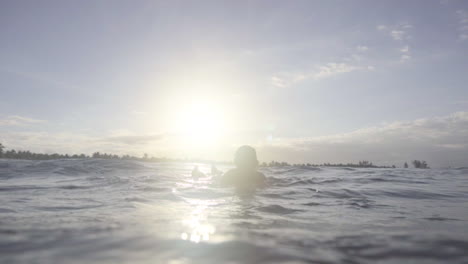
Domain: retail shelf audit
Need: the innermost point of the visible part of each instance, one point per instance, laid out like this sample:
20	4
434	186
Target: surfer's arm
226	179
261	179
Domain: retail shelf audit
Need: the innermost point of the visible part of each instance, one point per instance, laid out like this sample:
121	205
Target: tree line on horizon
361	164
28	155
418	164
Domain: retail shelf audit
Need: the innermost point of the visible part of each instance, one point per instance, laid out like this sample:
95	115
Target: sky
301	81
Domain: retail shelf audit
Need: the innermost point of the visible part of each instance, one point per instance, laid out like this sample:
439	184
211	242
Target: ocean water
107	211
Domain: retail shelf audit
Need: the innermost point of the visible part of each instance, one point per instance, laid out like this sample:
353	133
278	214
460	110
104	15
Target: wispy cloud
319	72
398	32
362	48
132	139
463	24
405	49
401	34
72	143
332	68
279	81
16	120
405	53
40	141
328	70
381	27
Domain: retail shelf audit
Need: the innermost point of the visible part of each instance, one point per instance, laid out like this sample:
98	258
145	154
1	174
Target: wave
128	211
277	209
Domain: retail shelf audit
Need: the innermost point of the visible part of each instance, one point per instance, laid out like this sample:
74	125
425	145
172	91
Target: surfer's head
246	158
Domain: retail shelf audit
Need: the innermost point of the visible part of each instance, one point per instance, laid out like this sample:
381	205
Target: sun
200	123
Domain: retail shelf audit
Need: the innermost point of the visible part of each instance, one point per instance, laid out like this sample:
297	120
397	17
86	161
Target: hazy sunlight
199	123
206	132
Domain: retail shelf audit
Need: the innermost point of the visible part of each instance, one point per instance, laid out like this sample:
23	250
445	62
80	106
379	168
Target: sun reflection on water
199	228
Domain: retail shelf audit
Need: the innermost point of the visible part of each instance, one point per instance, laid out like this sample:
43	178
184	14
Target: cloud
397	32
381	27
401	34
463	24
331	69
405	57
405	53
362	48
132	139
278	82
319	72
47	142
74	143
442	141
16	120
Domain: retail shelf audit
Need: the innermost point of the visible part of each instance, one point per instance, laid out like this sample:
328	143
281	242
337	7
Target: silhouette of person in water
196	173
245	176
215	171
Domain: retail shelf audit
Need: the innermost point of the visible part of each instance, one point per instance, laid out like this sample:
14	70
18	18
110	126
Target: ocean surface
110	211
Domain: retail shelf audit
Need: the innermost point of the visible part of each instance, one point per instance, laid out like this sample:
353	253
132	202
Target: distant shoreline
28	155
161	160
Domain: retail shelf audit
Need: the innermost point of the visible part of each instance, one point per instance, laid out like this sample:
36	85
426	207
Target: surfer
196	173
245	175
215	171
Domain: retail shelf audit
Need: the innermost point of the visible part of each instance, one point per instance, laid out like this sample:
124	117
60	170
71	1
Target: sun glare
200	123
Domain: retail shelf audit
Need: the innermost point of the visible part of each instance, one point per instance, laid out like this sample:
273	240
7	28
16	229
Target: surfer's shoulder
230	173
261	178
261	175
229	176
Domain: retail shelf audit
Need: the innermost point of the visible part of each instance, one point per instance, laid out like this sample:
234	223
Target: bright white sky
302	81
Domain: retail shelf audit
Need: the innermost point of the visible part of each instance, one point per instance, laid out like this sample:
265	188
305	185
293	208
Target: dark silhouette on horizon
420	164
215	171
245	176
196	173
361	164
